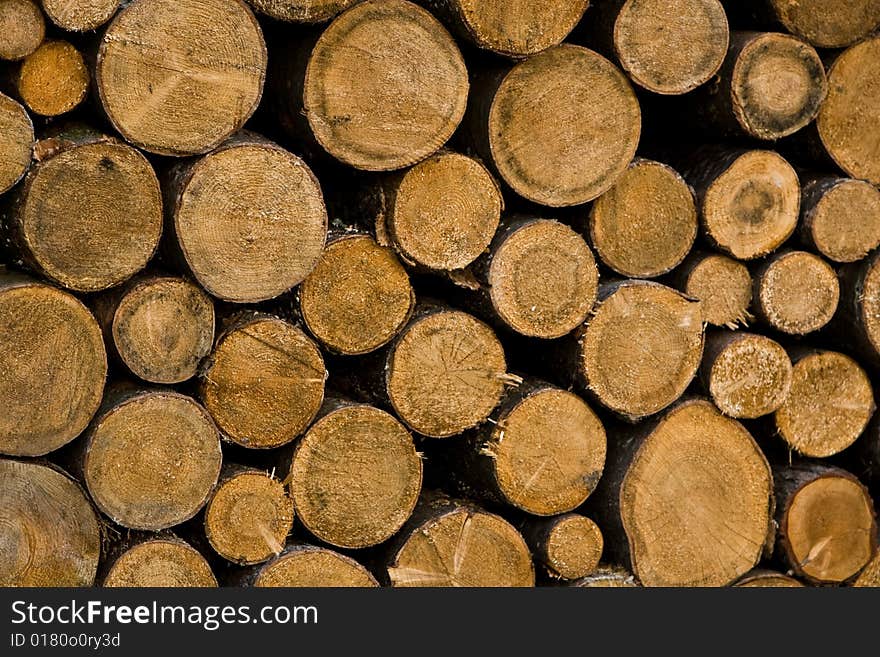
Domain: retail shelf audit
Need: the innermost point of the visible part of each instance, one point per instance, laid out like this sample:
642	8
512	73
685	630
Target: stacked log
450	543
439	293
694	41
850	110
310	566
646	224
158	562
23	28
249	516
50	400
770	86
211	88
695	479
264	382
355	447
160	327
273	211
569	546
827	524
89	212
53	80
50	530
80	15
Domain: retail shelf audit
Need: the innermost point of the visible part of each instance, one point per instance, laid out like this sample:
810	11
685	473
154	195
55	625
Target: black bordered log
827	524
89	212
249	516
245	235
141	559
722	285
669	536
264	381
749	200
51	533
206	93
303	565
747	375
538	278
651	332
452	543
770	86
569	546
159	326
355	447
795	292
829	405
542	452
54	366
150	459
443	374
358	297
666	47
840	217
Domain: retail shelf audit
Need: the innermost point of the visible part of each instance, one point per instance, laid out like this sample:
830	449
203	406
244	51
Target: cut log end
753	207
301	11
607	578
748	375
91	214
642	348
548	452
162	562
163	328
543	279
695	503
355	448
828	530
724	288
80	15
563	126
250	221
518	28
249	517
764	579
570	546
843	223
54	367
152	460
445	212
22	27
869	304
358	297
646	224
830	404
264	382
53	79
671	47
870	575
852	110
308	566
797	293
777	85
462	546
170	90
828	23
412	67
16	142
49	534
446	373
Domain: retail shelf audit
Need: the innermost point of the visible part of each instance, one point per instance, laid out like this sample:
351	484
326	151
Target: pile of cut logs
444	293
